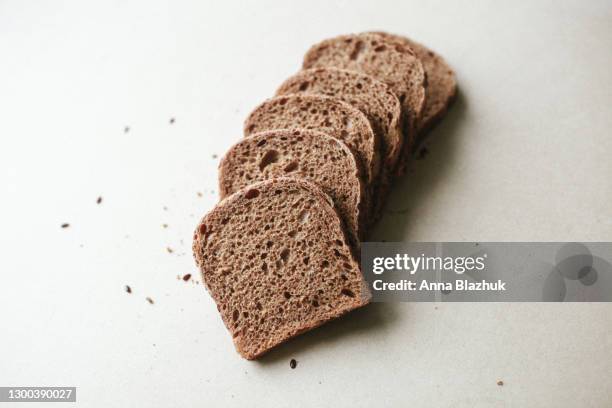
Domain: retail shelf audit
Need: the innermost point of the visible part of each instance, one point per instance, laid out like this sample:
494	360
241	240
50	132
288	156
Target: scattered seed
99	200
500	383
150	300
186	277
126	129
200	194
214	156
65	225
165	225
172	120
293	363
170	250
128	289
165	208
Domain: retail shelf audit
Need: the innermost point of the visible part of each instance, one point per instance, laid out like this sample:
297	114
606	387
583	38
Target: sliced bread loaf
306	154
275	259
388	61
364	92
441	84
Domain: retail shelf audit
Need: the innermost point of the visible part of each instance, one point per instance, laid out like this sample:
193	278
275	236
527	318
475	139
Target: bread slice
328	115
276	261
370	96
384	59
441	84
301	153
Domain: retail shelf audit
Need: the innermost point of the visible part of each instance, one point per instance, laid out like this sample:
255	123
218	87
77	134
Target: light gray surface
524	155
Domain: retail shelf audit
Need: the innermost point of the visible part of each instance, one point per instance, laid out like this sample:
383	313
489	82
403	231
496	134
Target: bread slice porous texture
328	115
386	60
370	96
301	153
276	261
441	85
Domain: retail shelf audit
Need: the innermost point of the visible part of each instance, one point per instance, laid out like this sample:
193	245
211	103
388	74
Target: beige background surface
523	155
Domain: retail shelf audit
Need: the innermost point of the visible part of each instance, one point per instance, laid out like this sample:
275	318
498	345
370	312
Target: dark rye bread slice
301	153
372	97
441	84
328	115
388	61
277	263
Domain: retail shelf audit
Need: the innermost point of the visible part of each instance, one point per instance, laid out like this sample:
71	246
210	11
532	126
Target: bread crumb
199	193
165	225
172	120
99	200
170	250
126	129
150	300
186	277
65	225
500	383
128	289
293	363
